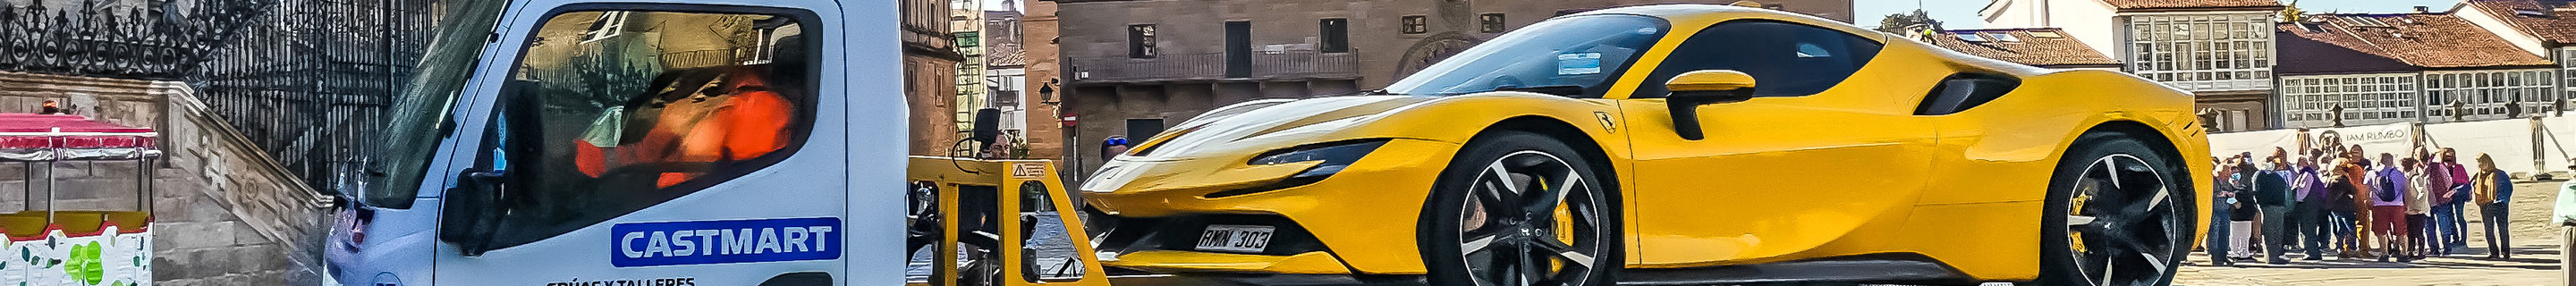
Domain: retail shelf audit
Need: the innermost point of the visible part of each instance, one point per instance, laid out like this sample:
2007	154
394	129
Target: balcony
1290	65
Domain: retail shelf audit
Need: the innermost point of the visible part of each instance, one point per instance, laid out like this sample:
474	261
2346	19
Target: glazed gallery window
585	133
2567	72
1140	41
2483	95
2312	101
2202	52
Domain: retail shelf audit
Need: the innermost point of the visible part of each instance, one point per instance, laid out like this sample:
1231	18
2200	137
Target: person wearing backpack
2388	207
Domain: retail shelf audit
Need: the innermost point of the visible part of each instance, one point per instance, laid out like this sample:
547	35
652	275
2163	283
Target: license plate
1236	238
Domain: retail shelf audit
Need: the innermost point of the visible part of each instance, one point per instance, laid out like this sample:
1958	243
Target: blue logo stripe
724	241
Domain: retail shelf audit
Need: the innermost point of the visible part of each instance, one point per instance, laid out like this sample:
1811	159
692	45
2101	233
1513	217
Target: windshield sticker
727	241
1578	63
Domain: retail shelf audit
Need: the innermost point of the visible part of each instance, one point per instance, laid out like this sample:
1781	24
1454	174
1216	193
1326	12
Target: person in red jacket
727	116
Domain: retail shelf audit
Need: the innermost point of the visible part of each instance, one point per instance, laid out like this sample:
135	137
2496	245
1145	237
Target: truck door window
596	127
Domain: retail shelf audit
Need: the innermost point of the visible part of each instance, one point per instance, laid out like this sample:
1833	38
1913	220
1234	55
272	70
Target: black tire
2131	227
1584	223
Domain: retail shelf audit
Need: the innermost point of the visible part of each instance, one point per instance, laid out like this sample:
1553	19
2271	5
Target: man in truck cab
693	122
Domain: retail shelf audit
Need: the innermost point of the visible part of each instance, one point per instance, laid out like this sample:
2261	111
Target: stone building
930	61
2219	50
2363	69
1137	66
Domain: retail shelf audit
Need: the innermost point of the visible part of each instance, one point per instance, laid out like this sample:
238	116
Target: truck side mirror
1703	87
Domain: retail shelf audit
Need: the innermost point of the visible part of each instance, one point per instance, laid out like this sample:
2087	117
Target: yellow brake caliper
2075	238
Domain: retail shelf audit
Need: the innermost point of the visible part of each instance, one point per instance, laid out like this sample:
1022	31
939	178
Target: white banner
2393	138
2509	141
2258	142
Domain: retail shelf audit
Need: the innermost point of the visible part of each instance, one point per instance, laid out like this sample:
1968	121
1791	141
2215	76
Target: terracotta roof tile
2031	49
2421	40
2182	4
2551	20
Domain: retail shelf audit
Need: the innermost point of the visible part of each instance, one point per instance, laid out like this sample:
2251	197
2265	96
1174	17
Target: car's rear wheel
2117	214
1520	209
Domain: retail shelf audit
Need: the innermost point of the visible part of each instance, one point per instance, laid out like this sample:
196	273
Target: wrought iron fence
307	80
157	40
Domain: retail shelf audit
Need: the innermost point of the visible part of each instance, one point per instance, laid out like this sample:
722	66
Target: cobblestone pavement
2535	260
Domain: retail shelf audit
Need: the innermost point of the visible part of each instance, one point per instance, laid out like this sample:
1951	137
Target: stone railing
241	177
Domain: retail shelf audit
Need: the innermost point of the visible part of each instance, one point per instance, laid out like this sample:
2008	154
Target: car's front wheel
1518	208
2117	214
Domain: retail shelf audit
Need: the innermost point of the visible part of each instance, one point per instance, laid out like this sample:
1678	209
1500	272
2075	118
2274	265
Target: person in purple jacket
2313	227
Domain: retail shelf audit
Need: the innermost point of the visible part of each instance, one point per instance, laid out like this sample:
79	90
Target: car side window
1787	59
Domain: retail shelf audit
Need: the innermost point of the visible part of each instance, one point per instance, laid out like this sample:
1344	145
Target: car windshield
420	112
1574	56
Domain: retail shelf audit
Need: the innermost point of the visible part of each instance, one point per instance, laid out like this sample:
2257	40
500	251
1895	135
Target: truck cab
569	142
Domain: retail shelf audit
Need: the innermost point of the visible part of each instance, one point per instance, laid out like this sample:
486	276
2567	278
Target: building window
1336	34
1140	41
1417	24
2314	101
2486	95
2567	74
1491	23
1139	129
2202	52
610	24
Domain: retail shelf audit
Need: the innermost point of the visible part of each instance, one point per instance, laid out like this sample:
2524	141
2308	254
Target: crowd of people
2339	200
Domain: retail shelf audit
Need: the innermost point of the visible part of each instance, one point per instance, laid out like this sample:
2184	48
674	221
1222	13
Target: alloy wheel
1531	219
2122	223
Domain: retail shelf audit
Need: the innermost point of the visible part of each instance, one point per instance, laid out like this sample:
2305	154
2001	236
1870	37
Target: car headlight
1335	155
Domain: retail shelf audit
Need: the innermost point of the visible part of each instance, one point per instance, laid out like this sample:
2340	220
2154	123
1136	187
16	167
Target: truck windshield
420	114
1574	56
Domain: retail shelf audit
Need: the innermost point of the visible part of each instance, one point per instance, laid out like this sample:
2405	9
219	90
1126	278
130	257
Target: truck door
661	144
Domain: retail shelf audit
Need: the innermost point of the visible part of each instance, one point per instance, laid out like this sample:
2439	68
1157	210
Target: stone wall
224	214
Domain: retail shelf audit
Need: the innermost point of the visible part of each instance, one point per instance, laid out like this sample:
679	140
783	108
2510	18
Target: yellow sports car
1678	144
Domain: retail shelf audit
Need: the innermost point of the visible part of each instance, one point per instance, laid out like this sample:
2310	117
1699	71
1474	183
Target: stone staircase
224	213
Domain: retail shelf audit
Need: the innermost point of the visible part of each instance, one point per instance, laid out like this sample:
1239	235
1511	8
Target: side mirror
1703	87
